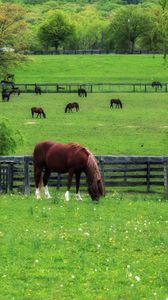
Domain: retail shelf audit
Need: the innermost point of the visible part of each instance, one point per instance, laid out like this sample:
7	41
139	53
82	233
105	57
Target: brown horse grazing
39	111
69	107
66	158
117	102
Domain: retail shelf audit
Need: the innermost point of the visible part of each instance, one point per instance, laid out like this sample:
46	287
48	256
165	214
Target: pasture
78	250
92	68
52	250
140	128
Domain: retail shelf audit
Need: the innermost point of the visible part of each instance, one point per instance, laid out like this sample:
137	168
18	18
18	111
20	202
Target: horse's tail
95	182
43	113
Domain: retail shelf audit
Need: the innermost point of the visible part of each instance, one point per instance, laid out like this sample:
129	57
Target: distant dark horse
37	89
156	84
6	95
116	102
82	92
39	111
66	158
69	107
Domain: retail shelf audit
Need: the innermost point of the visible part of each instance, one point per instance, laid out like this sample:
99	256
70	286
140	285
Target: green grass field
52	250
93	68
55	250
140	128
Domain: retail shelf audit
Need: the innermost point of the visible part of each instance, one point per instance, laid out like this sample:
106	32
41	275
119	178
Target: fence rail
16	173
93	87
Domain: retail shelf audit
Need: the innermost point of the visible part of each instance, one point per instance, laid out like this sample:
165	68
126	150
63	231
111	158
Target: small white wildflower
36	261
72	276
61	285
27	229
86	233
95	270
98	246
137	278
132	285
154	294
4	275
130	274
128	266
80	229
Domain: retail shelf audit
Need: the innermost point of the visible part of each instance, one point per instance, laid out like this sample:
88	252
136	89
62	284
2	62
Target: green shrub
8	139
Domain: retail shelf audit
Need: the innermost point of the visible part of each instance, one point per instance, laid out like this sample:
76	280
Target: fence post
148	177
26	176
166	179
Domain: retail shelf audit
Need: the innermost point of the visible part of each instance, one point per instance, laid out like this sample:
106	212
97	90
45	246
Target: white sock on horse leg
37	193
46	191
78	197
67	196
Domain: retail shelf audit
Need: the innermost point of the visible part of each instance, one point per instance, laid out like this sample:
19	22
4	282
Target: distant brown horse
69	107
116	102
69	158
39	111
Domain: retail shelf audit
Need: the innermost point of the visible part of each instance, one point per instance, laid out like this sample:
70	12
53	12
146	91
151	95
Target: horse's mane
92	165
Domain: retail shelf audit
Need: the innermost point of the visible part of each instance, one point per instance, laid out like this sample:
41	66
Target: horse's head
96	189
94	179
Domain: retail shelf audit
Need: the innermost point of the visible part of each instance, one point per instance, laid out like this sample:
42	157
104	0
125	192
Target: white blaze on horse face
78	197
37	193
67	196
47	194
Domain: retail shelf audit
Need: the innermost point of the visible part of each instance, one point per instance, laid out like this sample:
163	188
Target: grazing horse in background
6	95
117	102
39	111
156	84
69	107
37	89
69	158
82	92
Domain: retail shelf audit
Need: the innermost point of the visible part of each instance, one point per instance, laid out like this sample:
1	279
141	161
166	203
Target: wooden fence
147	173
94	87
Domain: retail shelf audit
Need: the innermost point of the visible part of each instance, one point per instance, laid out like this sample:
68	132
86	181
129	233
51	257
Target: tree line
129	27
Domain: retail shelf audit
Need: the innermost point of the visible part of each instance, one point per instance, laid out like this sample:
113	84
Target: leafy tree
127	26
90	29
8	140
56	30
12	27
163	26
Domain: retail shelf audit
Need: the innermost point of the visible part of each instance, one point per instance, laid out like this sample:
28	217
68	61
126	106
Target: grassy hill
92	68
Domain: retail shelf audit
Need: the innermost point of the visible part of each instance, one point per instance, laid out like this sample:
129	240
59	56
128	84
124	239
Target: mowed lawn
92	68
140	128
52	250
